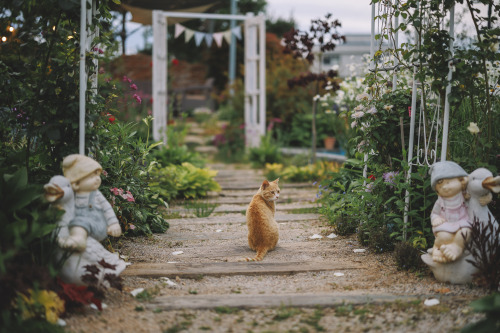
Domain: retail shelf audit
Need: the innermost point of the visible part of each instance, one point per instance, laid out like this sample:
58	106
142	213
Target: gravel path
366	293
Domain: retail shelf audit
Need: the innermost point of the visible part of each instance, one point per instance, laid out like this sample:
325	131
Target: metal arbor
255	59
429	120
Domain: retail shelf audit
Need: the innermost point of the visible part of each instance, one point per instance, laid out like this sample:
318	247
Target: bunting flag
188	34
227	36
237	32
218	38
208	39
179	29
199	36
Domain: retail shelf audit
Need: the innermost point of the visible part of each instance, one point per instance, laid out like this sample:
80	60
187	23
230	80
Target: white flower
363	97
388	107
353	124
328	87
335	67
358	114
473	128
315	98
372	110
360	107
328	111
324	104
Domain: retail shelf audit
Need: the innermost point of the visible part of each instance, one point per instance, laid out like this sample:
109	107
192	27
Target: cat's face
270	190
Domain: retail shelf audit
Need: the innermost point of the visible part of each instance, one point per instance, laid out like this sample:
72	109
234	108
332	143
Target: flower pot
329	142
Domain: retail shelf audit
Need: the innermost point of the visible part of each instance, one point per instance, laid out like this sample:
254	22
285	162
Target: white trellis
255	53
426	121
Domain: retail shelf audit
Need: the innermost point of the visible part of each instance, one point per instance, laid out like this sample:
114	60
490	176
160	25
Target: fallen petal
316	236
359	250
431	302
218	230
332	235
93	306
169	282
61	322
137	291
176	253
338	274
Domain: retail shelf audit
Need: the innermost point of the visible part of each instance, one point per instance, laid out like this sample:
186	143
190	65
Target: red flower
372	177
112	119
175	62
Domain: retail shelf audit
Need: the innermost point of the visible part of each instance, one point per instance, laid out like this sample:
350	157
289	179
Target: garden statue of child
449	218
94	216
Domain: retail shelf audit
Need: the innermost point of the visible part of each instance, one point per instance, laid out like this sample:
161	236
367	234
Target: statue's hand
486	199
437	221
114	230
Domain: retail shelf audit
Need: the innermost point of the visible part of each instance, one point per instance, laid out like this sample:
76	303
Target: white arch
255	66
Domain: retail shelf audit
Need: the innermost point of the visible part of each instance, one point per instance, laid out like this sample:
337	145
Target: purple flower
389	177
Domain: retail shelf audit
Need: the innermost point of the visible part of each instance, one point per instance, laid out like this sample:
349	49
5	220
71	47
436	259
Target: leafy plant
407	256
484	245
267	152
183	181
200	208
490	306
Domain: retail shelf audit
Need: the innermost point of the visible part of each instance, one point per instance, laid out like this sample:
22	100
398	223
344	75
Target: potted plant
335	128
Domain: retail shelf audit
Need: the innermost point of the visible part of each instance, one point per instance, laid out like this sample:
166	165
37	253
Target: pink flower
116	191
128	196
126	79
107	80
131	226
133	86
137	98
104	173
101	70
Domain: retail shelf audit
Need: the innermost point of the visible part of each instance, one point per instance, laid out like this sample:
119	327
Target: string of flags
199	36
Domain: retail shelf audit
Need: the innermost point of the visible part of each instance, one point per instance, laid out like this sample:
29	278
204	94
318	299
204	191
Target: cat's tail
260	255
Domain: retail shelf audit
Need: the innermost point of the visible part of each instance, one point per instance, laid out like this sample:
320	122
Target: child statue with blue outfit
94	216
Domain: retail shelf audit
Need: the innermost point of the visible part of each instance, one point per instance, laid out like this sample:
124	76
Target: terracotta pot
329	142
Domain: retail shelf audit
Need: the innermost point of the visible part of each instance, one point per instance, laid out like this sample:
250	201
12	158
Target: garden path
193	281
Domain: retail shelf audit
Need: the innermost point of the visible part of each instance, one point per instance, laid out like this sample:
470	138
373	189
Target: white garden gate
255	60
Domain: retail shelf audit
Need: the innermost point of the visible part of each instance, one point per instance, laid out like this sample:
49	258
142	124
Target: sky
355	16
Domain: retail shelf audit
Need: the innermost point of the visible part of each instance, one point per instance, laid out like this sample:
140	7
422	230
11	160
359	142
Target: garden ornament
449	218
60	192
480	184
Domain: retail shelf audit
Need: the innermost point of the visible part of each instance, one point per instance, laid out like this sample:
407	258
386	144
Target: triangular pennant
237	32
198	37
179	29
208	39
218	38
227	36
188	34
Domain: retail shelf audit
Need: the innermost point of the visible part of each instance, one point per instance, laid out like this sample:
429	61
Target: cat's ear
276	180
265	184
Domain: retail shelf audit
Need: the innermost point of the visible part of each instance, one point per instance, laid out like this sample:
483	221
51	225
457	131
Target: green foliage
407	257
200	208
124	157
183	181
490	306
307	173
25	219
267	152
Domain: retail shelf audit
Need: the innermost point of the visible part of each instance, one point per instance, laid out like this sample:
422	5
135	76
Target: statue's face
450	187
89	183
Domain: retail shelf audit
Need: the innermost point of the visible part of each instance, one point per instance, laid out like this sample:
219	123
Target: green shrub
407	256
490	306
183	181
267	152
177	155
124	158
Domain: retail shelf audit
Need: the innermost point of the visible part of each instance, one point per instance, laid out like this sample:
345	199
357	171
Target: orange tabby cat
262	227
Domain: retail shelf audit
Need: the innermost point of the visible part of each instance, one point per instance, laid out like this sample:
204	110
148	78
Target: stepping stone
238	218
195	270
272	301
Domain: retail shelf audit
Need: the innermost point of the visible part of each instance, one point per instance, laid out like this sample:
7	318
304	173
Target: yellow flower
473	128
51	303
